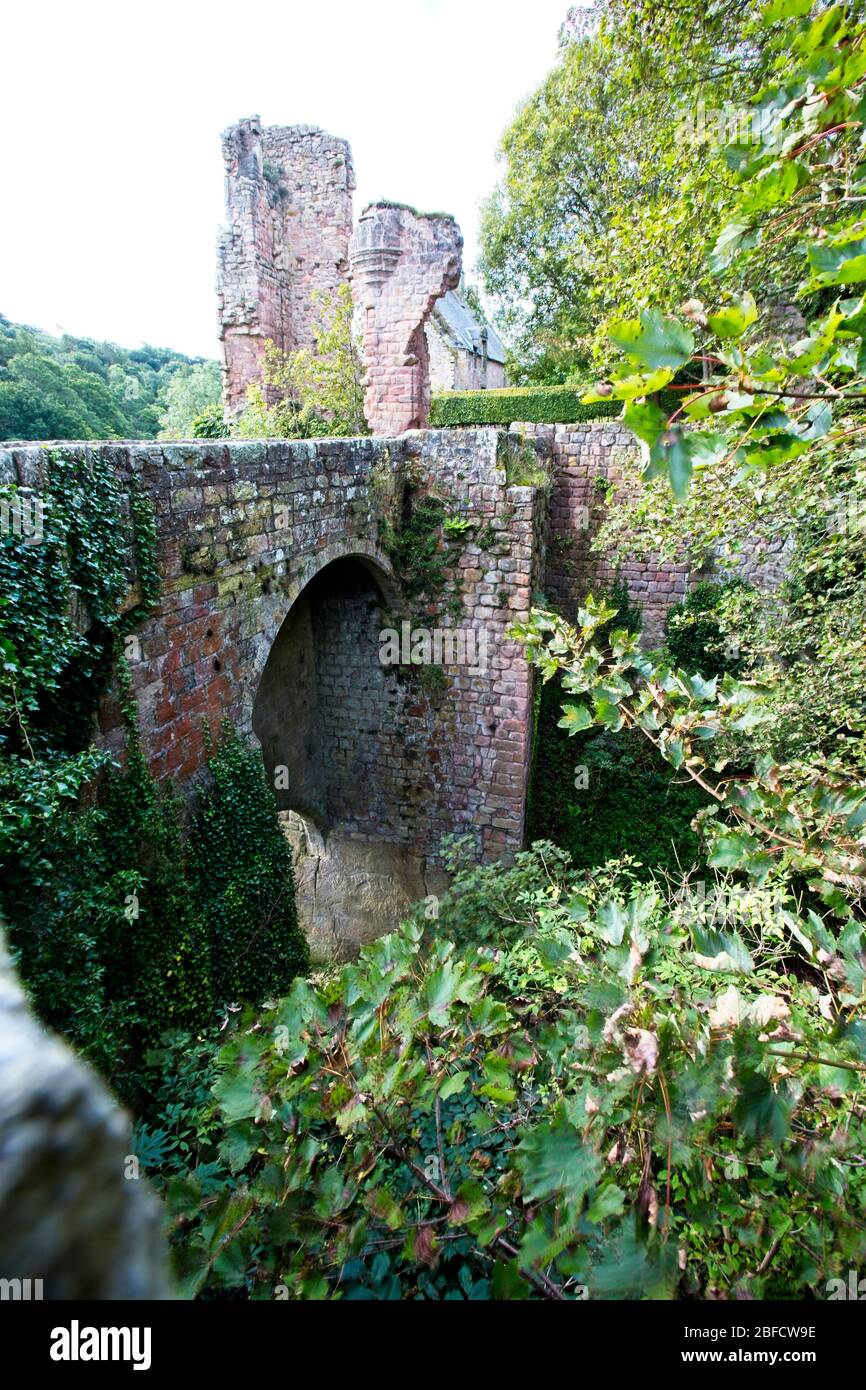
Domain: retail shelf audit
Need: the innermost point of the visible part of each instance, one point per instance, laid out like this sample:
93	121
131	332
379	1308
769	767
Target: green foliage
99	908
762	821
800	180
601	795
75	388
98	540
609	183
194	392
541	404
769	450
596	1108
524	467
210	423
114	934
316	391
694	637
242	871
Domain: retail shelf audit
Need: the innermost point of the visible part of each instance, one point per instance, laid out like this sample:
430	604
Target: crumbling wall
589	478
402	262
289	220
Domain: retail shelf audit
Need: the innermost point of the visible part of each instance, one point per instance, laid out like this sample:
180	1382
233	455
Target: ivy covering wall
124	923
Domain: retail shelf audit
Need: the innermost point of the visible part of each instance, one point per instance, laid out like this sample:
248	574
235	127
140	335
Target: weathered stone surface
402	262
276	583
289	214
349	891
588	458
69	1215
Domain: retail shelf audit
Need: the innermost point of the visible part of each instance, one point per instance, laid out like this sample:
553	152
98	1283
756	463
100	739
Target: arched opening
330	719
321	708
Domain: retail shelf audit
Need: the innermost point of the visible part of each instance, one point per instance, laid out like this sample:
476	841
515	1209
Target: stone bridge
278	577
283	562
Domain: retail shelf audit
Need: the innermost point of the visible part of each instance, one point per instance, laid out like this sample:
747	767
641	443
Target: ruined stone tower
402	262
289	214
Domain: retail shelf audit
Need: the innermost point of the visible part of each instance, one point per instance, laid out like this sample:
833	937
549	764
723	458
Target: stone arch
366	552
322	698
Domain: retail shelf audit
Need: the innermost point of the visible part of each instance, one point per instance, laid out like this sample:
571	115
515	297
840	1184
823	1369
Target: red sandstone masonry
402	263
289	213
587	459
244	527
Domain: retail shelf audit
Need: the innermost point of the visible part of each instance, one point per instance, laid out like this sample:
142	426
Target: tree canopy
612	173
77	388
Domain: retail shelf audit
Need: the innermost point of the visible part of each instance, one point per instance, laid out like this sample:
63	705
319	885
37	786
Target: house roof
463	327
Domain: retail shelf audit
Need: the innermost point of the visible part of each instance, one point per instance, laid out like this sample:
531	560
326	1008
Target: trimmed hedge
546	405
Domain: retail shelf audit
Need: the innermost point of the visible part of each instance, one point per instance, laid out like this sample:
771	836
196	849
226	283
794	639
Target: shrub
242	872
210	423
694	636
518	404
633	1121
101	916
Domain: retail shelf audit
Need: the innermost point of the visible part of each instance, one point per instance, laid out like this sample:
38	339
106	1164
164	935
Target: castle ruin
289	234
289	209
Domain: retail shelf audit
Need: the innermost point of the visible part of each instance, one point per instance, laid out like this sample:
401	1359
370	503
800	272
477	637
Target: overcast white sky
111	180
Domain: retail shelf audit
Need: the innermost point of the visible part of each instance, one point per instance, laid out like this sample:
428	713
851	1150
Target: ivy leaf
733	320
653	341
554	1160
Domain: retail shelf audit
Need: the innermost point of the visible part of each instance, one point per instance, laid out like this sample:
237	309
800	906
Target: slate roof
464	329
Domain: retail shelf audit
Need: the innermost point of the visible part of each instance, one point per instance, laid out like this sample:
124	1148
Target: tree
319	390
76	388
192	390
612	173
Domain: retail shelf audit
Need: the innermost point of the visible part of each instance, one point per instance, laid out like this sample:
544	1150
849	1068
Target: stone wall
587	459
289	214
277	578
75	1214
402	262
